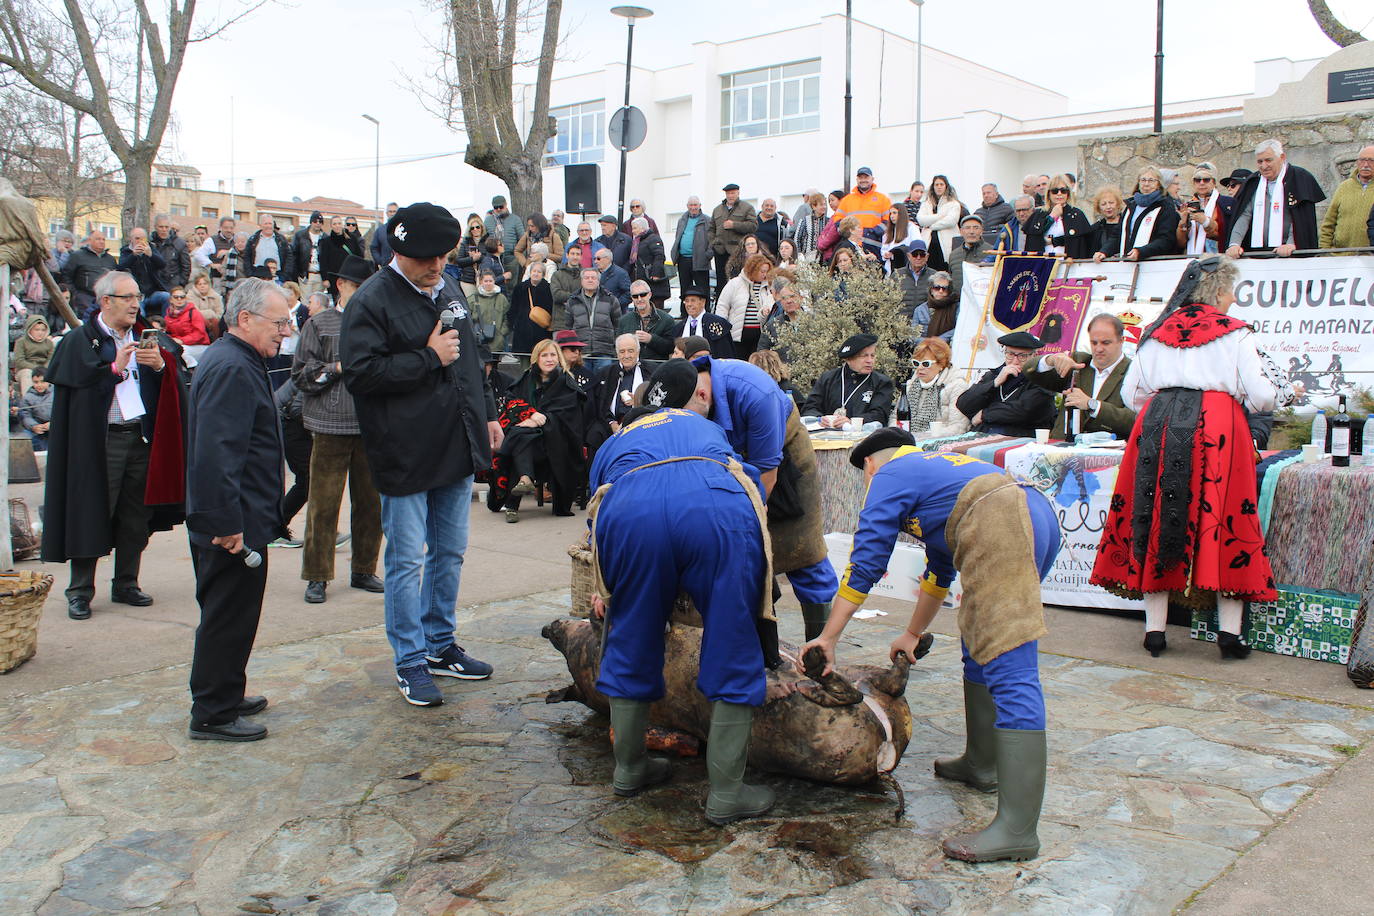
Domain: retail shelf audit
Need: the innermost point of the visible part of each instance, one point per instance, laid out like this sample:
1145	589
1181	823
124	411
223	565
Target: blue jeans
426	537
595	364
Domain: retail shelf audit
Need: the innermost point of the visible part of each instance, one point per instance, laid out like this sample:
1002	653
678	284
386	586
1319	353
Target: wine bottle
903	411
1319	431
1340	436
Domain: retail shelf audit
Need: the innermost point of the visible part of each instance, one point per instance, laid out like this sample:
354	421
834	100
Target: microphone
251	558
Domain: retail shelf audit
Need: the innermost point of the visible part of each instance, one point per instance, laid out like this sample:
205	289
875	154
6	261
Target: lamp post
1159	68
848	85
377	169
920	86
630	13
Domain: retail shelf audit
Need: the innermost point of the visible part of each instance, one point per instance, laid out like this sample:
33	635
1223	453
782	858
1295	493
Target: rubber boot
727	751
634	768
977	766
814	616
1020	792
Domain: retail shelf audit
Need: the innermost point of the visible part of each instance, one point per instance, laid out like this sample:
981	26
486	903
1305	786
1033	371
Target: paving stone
14	759
31	796
45	840
1175	753
140	869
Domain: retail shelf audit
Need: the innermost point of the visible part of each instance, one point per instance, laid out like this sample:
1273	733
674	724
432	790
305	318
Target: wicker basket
21	602
684	611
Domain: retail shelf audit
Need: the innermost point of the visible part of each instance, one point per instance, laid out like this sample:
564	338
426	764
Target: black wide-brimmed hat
423	230
353	268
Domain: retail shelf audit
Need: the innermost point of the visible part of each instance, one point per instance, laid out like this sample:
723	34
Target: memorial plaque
1350	85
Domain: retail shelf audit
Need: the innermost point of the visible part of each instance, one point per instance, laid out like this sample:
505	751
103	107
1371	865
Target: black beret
731	187
423	230
671	385
856	344
887	437
1021	340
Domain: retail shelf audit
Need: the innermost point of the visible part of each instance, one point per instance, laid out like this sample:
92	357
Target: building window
173	182
580	137
208	213
773	100
178	209
56	225
109	230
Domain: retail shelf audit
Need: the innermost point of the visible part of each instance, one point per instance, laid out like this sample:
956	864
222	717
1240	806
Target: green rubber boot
634	768
727	751
1020	792
977	766
815	616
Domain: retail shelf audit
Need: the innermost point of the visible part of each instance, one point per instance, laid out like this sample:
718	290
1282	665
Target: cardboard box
904	569
1302	623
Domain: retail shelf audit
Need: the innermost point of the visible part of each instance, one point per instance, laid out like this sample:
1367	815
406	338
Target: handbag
541	317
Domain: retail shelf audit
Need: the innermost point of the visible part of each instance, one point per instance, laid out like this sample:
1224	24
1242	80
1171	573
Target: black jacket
286	257
1018	408
234	475
1162	233
1302	193
300	253
649	265
425	424
524	333
619	245
333	250
715	329
176	259
1077	238
76	514
1107	237
146	269
869	397
83	268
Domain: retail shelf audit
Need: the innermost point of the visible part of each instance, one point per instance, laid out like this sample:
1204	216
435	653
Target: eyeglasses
923	363
1364	161
179	296
1147	179
1023	209
124	296
639	295
1010	354
283	324
1202	179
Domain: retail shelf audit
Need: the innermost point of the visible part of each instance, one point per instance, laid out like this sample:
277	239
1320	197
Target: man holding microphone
234	483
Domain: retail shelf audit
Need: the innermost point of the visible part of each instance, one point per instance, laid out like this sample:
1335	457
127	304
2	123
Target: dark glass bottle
1340	436
903	411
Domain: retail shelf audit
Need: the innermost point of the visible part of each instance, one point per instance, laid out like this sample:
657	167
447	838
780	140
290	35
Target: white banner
1314	316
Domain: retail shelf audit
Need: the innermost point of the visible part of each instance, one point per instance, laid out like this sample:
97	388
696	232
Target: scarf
924	398
1277	212
1197	235
1140	203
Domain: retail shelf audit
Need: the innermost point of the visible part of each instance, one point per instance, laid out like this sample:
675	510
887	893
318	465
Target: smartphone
148	340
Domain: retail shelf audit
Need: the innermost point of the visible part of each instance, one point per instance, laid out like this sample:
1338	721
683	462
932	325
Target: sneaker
418	687
292	543
341	539
454	662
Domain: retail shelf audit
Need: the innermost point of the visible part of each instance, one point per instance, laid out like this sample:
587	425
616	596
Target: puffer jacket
595	318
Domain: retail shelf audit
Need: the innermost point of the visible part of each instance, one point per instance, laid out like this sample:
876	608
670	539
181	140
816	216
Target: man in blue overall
1002	536
646	550
762	424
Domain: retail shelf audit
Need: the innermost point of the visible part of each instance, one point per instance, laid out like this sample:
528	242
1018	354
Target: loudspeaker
582	188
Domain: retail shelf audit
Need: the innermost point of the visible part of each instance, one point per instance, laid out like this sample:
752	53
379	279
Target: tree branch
1332	27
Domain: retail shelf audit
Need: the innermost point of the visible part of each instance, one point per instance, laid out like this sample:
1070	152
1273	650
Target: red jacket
187	326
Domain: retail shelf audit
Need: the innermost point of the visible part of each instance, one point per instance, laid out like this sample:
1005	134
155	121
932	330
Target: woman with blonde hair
769	361
1109	206
1205	220
1065	228
207	301
1150	221
807	235
932	391
745	302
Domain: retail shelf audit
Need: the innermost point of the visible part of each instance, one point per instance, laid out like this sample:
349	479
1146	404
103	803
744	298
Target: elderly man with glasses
1004	402
614	279
1013	236
652	327
118	405
1351	214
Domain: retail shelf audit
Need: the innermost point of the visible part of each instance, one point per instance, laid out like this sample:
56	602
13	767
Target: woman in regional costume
1183	523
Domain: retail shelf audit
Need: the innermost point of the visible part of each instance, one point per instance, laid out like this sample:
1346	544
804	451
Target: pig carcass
847	727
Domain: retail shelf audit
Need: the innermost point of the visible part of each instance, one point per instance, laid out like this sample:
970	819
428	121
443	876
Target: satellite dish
627	133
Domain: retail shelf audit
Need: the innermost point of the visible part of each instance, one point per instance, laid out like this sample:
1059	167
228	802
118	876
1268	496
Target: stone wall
1326	147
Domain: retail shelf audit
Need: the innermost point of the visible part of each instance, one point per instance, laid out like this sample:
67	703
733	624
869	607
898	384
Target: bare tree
478	95
1332	27
116	47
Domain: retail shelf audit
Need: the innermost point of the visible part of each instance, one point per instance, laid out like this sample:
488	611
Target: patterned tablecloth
1321	527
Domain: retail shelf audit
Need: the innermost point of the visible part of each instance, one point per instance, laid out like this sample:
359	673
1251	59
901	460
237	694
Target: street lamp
920	46
631	13
377	169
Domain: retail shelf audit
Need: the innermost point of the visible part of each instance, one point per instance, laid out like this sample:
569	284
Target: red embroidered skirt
1222	544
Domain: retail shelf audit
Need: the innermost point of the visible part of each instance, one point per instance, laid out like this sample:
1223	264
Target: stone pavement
498	801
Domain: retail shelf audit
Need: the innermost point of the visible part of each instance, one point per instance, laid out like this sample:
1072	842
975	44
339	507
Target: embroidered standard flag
1022	284
1062	314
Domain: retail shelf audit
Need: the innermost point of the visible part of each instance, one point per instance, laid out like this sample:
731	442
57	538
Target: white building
767	112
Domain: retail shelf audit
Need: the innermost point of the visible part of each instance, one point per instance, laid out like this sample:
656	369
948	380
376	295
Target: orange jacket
870	208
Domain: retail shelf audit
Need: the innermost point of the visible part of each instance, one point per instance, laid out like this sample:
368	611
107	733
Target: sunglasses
1202	180
639	295
1059	190
923	363
351	225
945	288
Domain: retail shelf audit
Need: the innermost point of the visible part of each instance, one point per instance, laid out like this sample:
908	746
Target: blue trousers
650	548
1013	678
426	537
814	584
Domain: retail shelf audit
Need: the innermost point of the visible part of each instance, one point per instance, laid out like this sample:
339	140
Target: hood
479	294
33	320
